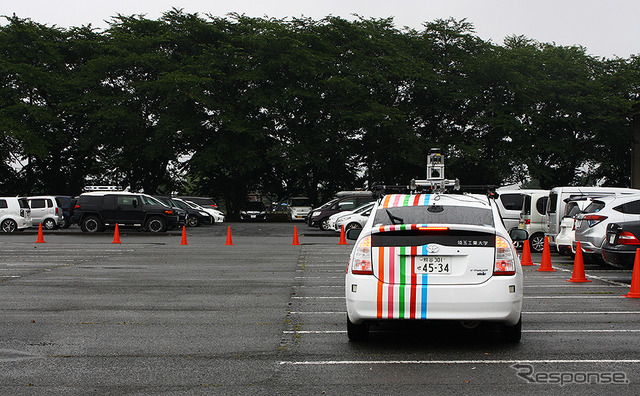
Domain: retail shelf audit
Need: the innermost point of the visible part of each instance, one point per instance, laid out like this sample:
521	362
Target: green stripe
406	200
403	262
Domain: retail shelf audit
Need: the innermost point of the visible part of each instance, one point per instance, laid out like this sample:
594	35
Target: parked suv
95	211
46	211
320	217
15	214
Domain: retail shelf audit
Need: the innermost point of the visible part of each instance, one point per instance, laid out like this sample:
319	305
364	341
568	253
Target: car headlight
315	214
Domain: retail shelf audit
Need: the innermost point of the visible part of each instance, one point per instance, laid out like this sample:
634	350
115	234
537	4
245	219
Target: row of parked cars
95	211
605	220
602	219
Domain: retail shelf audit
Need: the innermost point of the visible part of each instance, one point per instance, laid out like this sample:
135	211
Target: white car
298	208
434	257
355	219
15	214
218	216
45	211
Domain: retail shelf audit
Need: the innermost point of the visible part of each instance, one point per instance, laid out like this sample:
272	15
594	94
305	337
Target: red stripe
380	279
416	200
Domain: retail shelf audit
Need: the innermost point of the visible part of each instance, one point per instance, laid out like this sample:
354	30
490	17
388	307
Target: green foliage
229	106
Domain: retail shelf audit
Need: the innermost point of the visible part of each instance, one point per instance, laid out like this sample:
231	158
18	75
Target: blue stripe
427	198
424	281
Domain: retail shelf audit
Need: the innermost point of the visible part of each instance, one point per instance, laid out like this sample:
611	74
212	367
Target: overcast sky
606	28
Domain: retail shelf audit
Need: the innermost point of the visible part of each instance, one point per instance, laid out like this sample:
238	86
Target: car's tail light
361	260
57	210
627	238
527	221
574	224
592	219
76	207
505	262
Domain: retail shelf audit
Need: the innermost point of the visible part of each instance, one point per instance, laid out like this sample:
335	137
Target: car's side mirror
518	235
353	233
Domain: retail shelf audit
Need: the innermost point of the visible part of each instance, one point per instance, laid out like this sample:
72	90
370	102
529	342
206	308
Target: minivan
46	211
510	203
15	214
533	218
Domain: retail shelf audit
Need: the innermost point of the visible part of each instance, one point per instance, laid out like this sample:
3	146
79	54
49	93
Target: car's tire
91	224
192	221
9	226
536	242
324	224
352	226
357	332
49	224
66	222
156	224
511	334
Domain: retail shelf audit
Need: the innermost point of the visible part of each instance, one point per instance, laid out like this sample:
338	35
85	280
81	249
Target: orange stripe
385	204
380	279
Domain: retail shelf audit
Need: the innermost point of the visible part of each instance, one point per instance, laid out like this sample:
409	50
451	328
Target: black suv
319	217
97	210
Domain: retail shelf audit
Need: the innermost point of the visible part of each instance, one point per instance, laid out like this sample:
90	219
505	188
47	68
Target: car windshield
434	214
254	206
300	202
181	204
151	201
363	208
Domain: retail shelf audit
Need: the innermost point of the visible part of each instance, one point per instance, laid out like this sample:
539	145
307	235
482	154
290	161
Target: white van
559	196
533	218
45	210
14	214
510	203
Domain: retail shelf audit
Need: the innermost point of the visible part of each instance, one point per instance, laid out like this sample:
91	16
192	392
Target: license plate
253	216
433	265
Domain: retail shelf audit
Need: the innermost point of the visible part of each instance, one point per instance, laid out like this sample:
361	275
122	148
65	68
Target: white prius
434	257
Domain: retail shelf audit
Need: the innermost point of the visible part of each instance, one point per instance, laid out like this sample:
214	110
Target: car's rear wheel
156	224
49	224
357	332
352	226
9	225
91	224
511	333
536	241
66	222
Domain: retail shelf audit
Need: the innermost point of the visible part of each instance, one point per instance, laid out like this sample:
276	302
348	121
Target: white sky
606	28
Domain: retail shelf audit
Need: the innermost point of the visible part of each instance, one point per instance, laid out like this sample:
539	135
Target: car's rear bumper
498	299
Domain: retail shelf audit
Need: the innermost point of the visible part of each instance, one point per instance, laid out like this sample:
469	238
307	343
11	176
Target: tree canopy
227	106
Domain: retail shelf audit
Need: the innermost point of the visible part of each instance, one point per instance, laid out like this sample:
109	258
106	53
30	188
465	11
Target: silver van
510	203
14	214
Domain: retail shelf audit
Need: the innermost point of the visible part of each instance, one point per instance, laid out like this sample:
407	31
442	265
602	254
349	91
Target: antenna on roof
435	175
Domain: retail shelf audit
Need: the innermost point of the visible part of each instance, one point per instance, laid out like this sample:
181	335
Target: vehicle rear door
38	209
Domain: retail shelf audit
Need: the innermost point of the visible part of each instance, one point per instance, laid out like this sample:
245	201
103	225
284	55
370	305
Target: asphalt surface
81	315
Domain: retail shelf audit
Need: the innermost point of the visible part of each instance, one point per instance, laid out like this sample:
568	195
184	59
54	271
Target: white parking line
524	361
524	312
524	331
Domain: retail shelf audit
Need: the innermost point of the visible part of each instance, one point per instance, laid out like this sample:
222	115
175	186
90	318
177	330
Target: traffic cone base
635	278
343	239
526	254
40	235
229	239
545	264
184	236
578	267
295	236
116	235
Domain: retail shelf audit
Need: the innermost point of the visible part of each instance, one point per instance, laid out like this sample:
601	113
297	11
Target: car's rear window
434	214
594	206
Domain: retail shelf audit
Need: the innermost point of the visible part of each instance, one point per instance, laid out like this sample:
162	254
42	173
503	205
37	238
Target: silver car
591	225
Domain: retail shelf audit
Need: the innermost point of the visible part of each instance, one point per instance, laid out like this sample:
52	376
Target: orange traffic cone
635	278
40	236
526	254
545	264
229	240
578	267
116	235
184	236
343	239
295	236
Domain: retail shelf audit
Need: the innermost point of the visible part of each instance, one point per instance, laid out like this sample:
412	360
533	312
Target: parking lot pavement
80	314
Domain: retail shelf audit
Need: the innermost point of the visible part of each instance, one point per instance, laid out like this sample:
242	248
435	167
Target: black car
319	217
621	242
195	217
65	203
181	213
253	211
205	202
96	211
